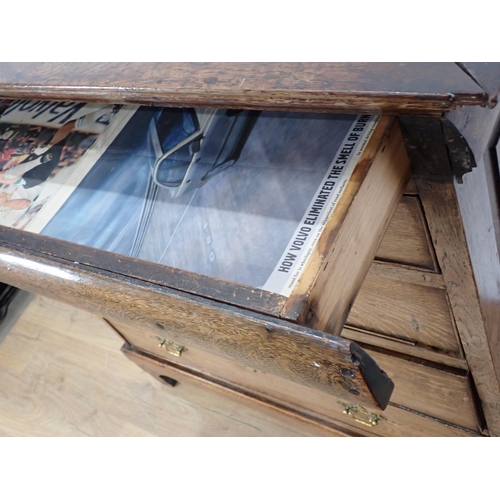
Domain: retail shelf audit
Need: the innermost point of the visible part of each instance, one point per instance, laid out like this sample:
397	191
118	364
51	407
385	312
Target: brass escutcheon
362	415
170	347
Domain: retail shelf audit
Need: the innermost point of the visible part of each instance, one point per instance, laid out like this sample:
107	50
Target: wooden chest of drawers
402	318
425	284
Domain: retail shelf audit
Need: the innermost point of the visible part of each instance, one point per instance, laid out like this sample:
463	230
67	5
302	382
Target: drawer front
398	422
407	240
190	386
404	310
442	396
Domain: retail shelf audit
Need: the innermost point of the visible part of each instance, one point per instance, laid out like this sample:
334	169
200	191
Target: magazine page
237	195
41	144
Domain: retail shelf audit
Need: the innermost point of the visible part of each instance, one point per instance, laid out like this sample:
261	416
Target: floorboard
62	374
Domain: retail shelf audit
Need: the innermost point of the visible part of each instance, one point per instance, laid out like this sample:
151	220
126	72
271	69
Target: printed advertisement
233	194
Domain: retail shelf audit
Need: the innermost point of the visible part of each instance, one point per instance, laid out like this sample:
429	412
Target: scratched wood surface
374	170
446	227
460	223
196	366
406	240
260	341
177	279
396	345
402	88
63	374
404	305
433	390
350	252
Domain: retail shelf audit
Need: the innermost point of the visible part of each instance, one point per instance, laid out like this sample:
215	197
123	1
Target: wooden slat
400	272
263	342
406	240
405	309
350	250
400	422
405	88
411	188
404	347
295	308
480	340
177	279
437	392
472	279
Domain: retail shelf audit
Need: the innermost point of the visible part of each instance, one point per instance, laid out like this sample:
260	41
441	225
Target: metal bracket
437	151
462	159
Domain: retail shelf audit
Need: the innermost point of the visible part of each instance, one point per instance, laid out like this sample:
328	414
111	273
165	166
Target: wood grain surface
407	274
472	288
350	252
63	374
402	346
182	381
484	262
445	224
296	307
176	279
481	129
305	402
403	88
391	304
406	240
431	390
316	359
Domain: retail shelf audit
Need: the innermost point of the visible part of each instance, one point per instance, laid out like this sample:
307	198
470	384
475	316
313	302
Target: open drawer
246	234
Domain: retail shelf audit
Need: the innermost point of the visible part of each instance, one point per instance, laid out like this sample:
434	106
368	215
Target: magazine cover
237	195
40	145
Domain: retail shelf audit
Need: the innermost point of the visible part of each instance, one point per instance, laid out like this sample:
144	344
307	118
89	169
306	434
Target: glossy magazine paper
41	145
237	195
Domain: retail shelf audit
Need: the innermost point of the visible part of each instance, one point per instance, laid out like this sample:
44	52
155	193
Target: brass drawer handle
170	347
362	415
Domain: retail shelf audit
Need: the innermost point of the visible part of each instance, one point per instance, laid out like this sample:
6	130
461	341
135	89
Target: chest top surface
394	88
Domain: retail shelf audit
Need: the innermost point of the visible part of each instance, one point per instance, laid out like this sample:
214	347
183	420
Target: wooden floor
62	374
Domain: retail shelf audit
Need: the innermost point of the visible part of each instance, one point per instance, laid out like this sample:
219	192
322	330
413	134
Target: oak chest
391	330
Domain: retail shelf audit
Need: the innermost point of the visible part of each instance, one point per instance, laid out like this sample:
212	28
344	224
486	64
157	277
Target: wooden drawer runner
412	311
406	240
430	391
